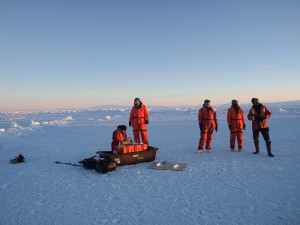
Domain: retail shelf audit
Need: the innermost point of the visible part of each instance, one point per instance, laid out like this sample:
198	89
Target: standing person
236	124
139	118
259	115
119	137
207	119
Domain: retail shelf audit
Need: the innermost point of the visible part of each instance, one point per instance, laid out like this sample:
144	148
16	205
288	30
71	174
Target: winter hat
254	100
206	101
137	99
123	127
234	101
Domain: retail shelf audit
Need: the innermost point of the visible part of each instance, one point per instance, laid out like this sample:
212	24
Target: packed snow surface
221	187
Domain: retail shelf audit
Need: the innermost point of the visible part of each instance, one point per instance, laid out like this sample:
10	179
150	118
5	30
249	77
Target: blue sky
73	54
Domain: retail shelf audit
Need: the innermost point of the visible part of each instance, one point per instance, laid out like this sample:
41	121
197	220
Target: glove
130	124
146	121
216	127
200	126
263	117
244	128
230	126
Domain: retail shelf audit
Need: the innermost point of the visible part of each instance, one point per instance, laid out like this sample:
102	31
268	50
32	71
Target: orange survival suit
138	119
117	137
207	119
236	124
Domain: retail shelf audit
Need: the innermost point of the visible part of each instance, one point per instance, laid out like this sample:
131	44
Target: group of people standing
207	118
258	114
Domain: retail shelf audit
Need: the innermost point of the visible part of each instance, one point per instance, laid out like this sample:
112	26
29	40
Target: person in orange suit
138	119
236	124
118	137
259	114
207	119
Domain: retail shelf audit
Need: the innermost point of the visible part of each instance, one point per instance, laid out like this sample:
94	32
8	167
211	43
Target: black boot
269	149
256	144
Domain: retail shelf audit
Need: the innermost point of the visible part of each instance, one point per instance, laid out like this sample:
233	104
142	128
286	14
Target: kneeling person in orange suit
119	138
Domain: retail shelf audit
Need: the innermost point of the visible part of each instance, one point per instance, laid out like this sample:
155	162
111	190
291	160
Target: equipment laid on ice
99	165
105	165
168	166
18	159
110	160
137	156
89	163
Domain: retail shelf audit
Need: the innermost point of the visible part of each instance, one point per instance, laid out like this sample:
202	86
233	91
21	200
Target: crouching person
119	138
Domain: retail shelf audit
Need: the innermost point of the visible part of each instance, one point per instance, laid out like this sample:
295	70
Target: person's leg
202	139
266	135
240	139
232	138
209	138
256	141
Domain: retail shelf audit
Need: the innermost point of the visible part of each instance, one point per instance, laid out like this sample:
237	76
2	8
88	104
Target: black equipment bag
89	163
105	165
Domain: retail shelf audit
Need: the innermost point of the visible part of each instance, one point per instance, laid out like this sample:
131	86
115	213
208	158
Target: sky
65	54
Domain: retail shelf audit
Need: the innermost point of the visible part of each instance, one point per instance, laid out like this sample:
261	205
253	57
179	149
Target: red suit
117	137
254	112
207	118
236	123
139	118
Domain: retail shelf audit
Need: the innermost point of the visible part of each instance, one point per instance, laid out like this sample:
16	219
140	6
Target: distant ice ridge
106	118
2	130
34	123
64	121
282	110
19	130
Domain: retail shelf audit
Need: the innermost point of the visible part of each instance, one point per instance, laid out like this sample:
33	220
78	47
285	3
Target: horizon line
119	105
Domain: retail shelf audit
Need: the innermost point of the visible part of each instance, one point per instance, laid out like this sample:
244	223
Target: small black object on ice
18	159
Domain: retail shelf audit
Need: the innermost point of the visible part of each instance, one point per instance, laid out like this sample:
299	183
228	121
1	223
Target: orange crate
138	148
144	147
126	149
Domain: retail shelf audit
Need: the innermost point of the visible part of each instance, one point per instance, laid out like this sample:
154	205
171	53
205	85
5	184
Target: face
256	102
206	104
137	102
124	131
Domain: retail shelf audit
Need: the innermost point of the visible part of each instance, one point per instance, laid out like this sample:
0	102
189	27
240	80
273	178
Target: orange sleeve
147	117
268	113
250	115
243	118
229	117
215	117
131	115
200	116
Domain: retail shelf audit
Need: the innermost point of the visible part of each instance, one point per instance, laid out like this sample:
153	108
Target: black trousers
265	134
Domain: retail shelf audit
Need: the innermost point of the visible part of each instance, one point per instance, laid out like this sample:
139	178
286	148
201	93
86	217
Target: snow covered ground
221	187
